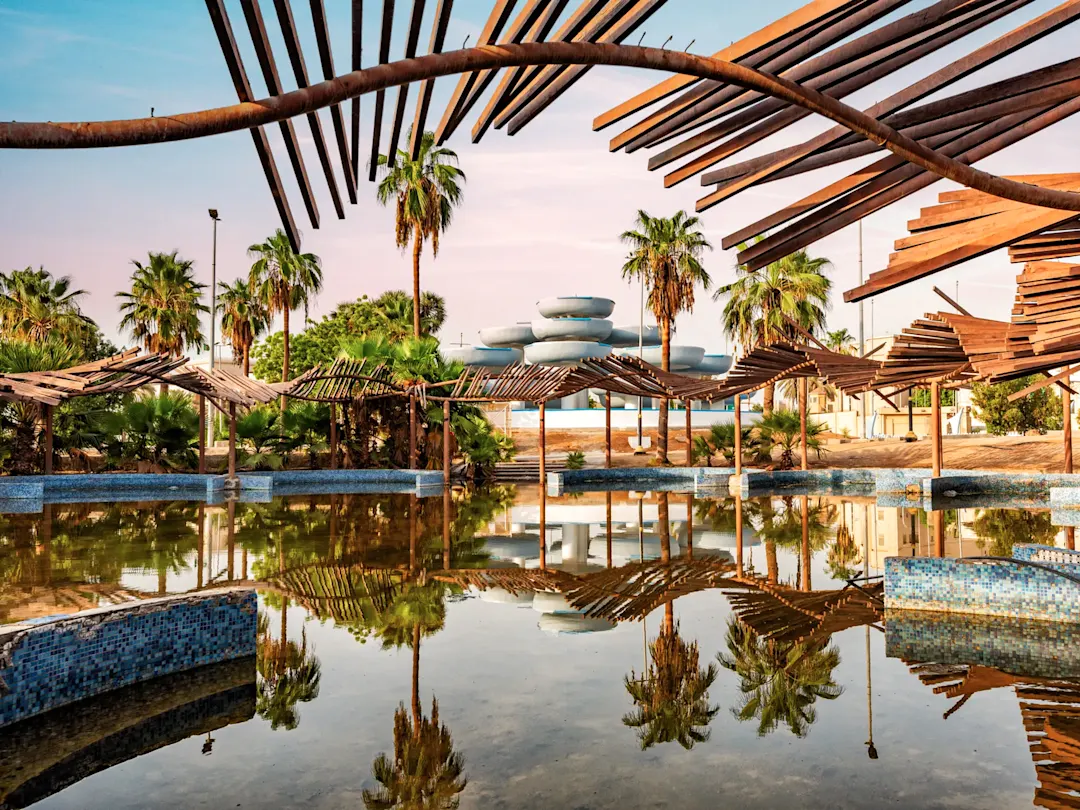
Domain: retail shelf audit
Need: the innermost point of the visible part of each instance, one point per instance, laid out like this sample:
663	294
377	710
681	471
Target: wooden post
690	526
939	533
805	562
412	431
230	541
446	436
802	421
607	430
232	440
202	434
202	547
333	436
689	436
543	523
446	528
738	533
1070	538
738	439
935	427
608	499
1066	414
543	447
48	439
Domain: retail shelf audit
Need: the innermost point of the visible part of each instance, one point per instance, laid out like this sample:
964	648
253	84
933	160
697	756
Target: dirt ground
1016	453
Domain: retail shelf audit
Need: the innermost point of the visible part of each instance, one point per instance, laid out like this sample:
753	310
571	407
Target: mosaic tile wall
1021	647
1060	558
953	586
49	665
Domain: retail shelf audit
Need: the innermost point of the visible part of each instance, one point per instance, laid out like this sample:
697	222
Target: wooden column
738	438
412	431
333	436
199	554
1070	538
939	533
230	540
689	436
690	526
935	428
738	534
202	434
446	528
608	499
446	443
48	438
543	446
232	440
1066	414
802	421
804	565
543	524
607	430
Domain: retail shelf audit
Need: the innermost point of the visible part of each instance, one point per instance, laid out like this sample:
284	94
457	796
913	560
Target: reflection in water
485	569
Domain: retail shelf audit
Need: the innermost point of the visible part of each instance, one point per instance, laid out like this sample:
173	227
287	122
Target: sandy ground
1018	453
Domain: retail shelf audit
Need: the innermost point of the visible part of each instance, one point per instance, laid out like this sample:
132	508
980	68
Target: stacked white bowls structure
576	328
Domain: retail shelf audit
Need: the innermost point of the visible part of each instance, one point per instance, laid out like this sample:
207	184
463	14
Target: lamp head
213	213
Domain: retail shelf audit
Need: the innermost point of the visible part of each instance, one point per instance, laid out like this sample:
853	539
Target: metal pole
689	436
738	435
1066	413
862	337
206	426
607	430
446	443
641	356
802	421
910	437
48	438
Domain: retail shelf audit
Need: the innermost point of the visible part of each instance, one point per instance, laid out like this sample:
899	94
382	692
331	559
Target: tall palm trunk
665	364
769	400
770	562
247	359
418	246
664	527
416	681
285	349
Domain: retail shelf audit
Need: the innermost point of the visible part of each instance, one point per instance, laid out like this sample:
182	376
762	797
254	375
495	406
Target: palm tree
666	255
783	429
841	340
163	308
289	673
283	280
780	681
244	317
35	306
425	192
395	312
761	305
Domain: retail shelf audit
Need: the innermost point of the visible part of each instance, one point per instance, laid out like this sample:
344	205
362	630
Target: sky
542	210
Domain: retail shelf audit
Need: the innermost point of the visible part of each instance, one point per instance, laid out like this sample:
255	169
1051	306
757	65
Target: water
530	715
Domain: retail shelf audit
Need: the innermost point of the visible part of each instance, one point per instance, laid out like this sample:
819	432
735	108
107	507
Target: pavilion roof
344	380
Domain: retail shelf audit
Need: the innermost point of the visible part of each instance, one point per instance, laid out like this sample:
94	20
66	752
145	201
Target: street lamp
213	286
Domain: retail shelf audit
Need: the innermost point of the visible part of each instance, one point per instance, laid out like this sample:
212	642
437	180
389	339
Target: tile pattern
993	589
1020	646
48	665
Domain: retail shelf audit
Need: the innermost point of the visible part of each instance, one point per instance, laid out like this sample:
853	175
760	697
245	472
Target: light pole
208	427
641	356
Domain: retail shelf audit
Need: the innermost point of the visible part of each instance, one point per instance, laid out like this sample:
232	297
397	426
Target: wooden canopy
769	364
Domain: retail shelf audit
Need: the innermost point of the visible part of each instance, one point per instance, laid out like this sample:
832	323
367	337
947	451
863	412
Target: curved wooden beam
49	135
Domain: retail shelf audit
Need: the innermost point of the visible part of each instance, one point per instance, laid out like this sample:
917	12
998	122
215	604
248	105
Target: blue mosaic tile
49	665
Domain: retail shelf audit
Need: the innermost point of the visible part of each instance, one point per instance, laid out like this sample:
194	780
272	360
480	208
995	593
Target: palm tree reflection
780	681
288	673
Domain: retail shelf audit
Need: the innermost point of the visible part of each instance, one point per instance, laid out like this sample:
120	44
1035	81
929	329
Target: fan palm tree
283	280
665	253
780	682
783	429
163	307
395	311
425	192
761	305
841	340
35	306
289	673
244	317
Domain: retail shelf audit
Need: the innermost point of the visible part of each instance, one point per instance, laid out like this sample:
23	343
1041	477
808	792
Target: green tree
1040	410
1000	529
920	398
665	253
36	306
761	305
163	307
425	192
156	431
842	341
283	280
783	429
244	317
780	682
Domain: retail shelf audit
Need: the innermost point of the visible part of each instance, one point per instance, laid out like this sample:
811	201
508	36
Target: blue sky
542	210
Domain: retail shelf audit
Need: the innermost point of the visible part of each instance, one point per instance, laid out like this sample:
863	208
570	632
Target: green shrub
1039	410
575	460
781	429
481	445
158	431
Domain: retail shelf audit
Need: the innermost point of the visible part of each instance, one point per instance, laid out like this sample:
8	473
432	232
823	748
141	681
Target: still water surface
410	661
